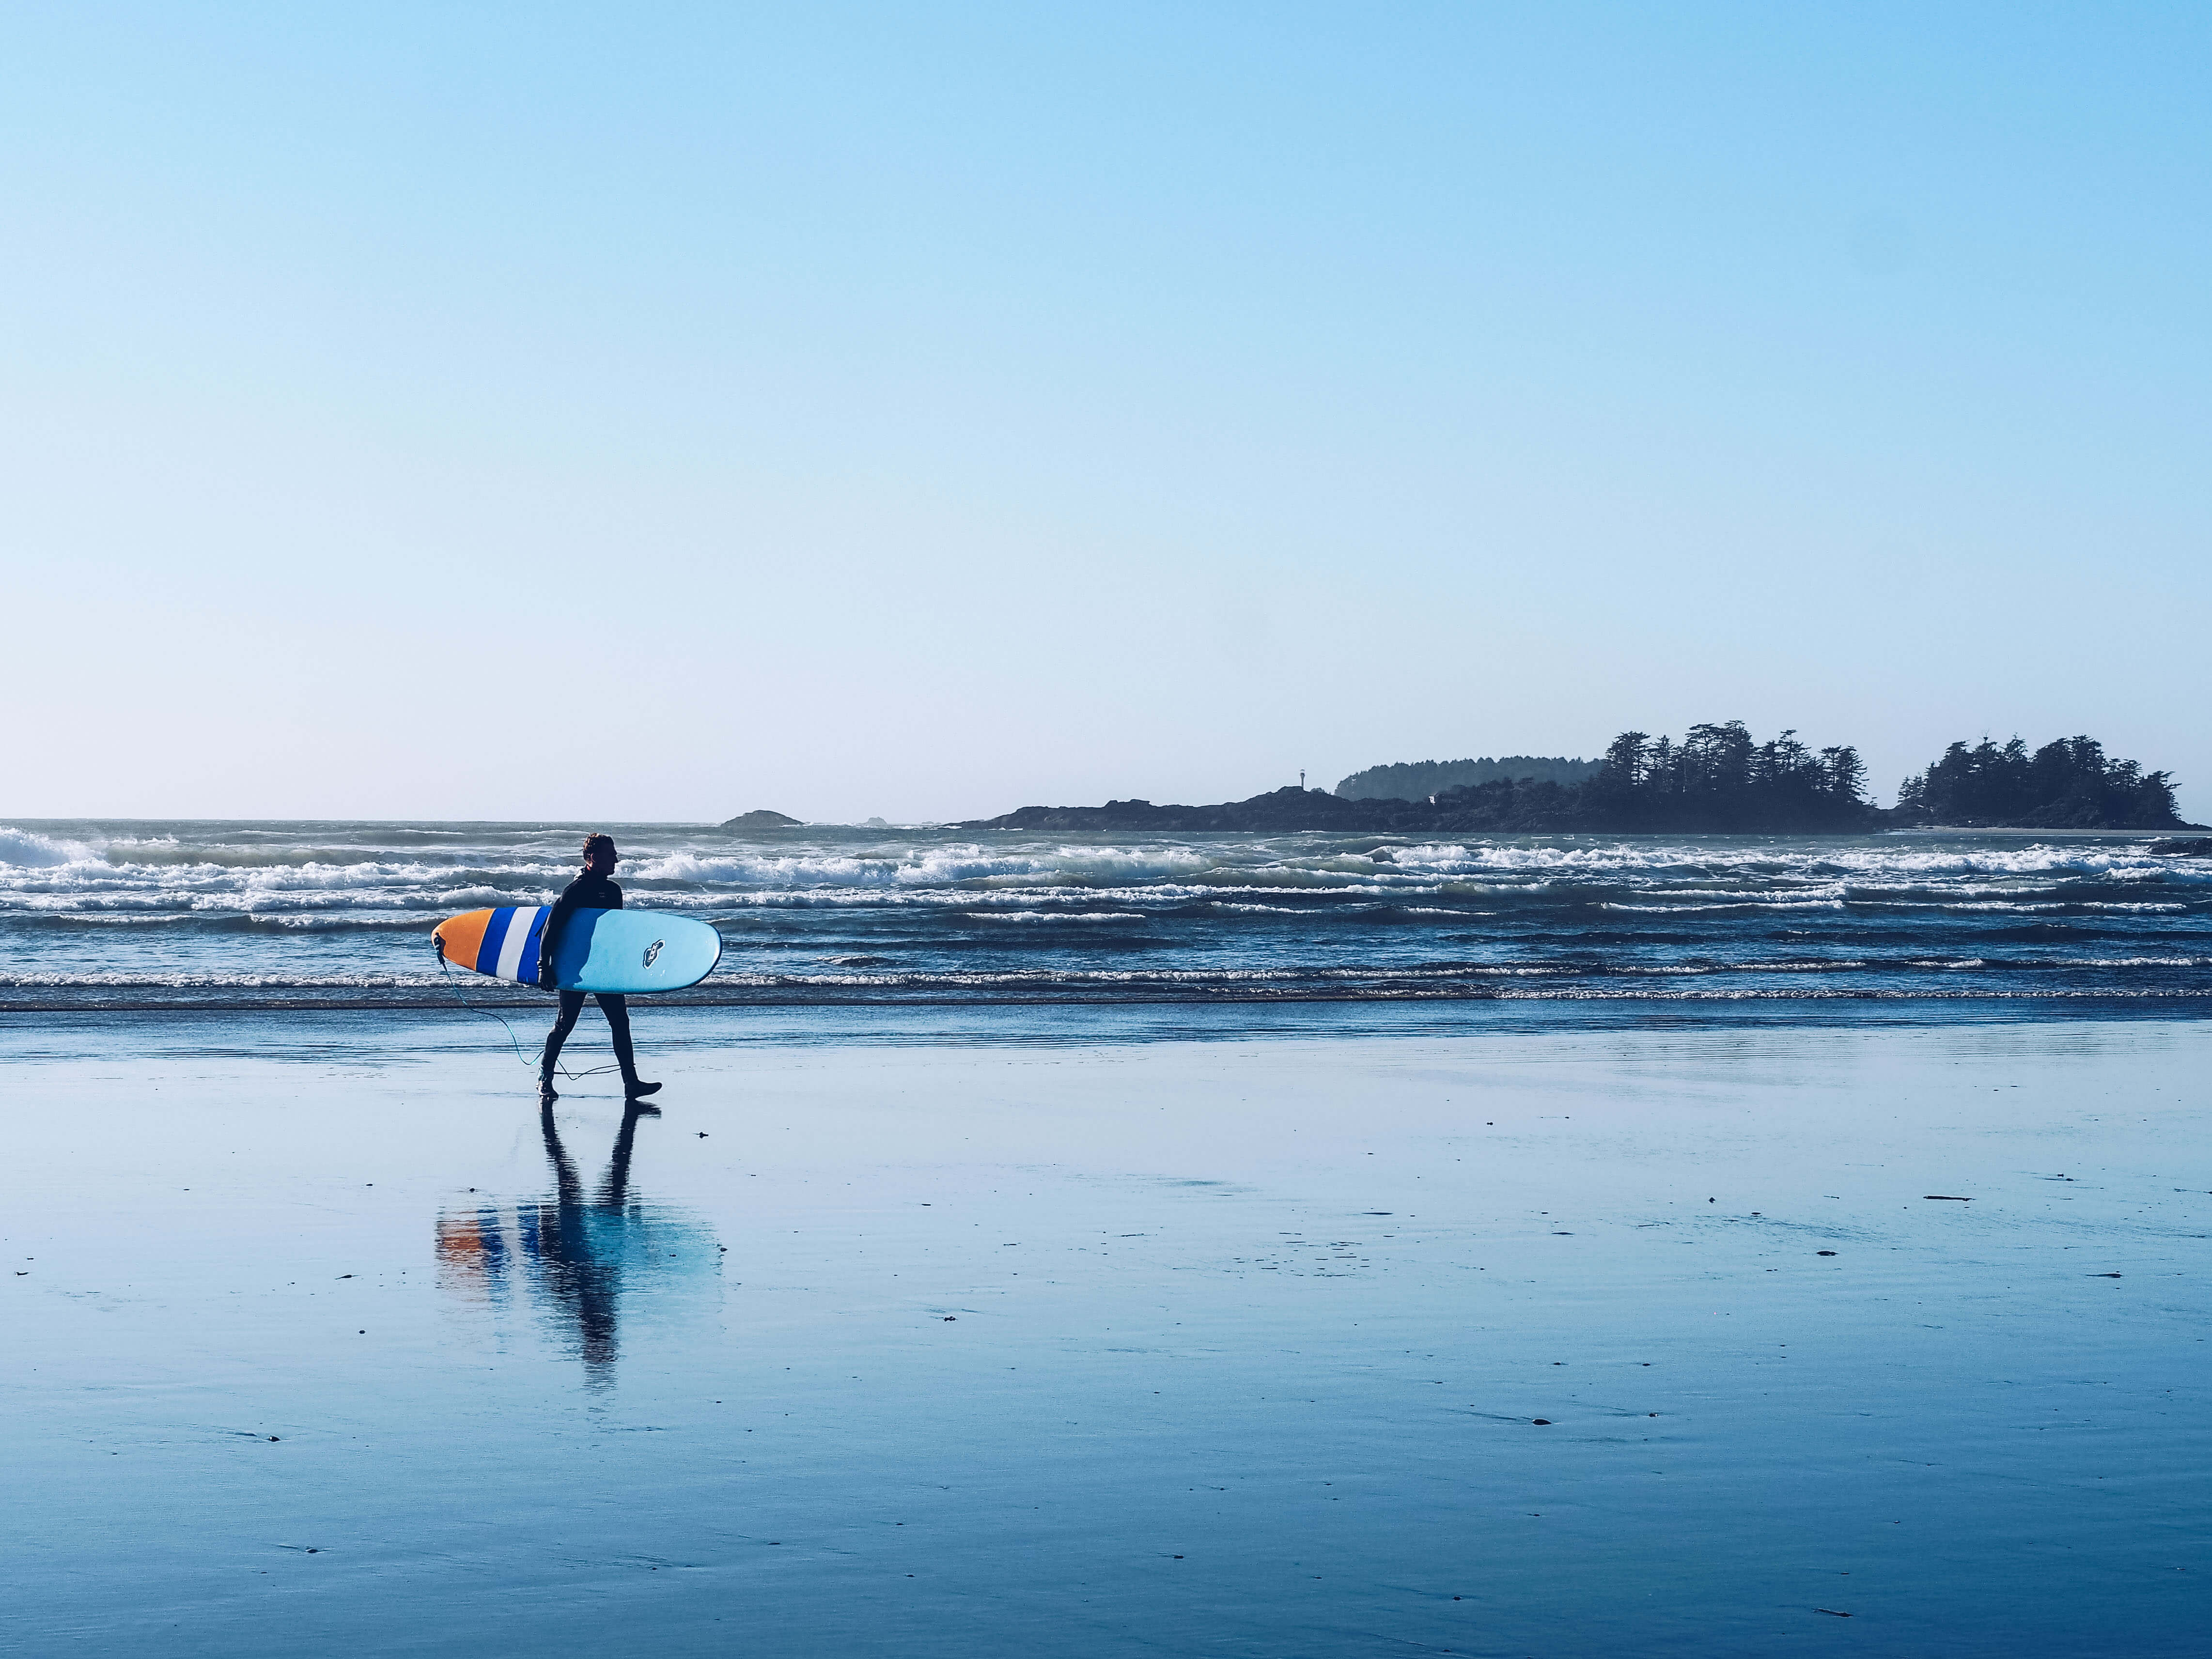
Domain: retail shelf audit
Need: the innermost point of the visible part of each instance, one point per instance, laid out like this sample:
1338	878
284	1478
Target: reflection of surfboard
631	951
591	1274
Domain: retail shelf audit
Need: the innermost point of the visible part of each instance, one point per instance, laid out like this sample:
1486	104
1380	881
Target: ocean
174	915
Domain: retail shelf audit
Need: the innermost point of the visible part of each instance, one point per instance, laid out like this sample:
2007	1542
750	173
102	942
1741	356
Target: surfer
594	890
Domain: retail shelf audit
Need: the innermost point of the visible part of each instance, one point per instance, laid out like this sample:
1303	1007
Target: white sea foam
1056	916
324	909
937	866
219	981
26	849
1717	909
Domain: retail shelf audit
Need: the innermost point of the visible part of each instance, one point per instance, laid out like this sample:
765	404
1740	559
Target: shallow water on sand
951	1341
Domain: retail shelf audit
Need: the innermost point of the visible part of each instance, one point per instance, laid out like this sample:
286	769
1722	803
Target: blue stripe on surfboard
495	935
527	970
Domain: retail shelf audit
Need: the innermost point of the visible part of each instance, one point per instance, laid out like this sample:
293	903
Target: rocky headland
1717	780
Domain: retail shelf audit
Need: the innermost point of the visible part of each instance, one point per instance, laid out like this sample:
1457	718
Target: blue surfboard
634	952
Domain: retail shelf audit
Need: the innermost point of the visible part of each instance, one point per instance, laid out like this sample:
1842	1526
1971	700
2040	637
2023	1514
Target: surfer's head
599	854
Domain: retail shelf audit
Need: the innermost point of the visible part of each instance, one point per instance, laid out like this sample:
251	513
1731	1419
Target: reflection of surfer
592	890
582	1270
594	1258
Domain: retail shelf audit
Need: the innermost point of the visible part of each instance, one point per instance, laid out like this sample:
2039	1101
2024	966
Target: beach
1145	1330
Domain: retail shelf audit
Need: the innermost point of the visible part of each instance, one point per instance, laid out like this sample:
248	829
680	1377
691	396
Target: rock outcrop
760	818
1497	808
1280	812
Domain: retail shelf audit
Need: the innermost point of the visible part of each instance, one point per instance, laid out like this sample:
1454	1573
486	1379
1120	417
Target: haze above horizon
548	413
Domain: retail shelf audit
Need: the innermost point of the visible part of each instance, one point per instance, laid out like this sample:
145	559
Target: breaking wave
122	914
21	849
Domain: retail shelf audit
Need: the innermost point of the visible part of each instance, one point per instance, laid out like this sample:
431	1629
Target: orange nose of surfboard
460	937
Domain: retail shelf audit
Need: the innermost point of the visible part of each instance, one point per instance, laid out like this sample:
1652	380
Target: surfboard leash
515	1042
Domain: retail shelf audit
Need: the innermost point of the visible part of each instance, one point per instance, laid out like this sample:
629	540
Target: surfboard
630	951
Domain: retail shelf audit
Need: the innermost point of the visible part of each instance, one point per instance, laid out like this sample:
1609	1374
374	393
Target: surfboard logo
653	950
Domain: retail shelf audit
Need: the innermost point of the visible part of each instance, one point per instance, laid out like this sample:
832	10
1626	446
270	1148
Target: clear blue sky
659	412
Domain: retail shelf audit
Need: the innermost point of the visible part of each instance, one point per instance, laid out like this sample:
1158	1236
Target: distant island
1717	780
2065	785
1419	779
759	819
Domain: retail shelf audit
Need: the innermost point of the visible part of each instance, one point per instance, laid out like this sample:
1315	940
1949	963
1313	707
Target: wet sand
910	1336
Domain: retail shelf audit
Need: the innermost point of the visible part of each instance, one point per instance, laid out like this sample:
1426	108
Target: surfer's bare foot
546	1093
635	1090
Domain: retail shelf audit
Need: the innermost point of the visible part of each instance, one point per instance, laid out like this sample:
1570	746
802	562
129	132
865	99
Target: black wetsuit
586	892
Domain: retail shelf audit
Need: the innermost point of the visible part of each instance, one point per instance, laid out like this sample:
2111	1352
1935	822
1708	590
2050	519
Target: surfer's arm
550	944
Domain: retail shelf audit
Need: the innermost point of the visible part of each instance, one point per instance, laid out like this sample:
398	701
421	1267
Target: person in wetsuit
594	890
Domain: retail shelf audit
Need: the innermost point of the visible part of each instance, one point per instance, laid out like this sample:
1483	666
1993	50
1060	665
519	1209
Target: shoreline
695	1026
1716	1001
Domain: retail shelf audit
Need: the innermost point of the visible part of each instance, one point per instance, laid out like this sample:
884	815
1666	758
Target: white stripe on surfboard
518	935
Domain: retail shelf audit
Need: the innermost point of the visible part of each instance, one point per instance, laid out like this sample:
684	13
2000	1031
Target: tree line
1715	779
2069	784
1718	779
1419	779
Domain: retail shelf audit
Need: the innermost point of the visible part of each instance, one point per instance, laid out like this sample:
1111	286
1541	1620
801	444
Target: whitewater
112	915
